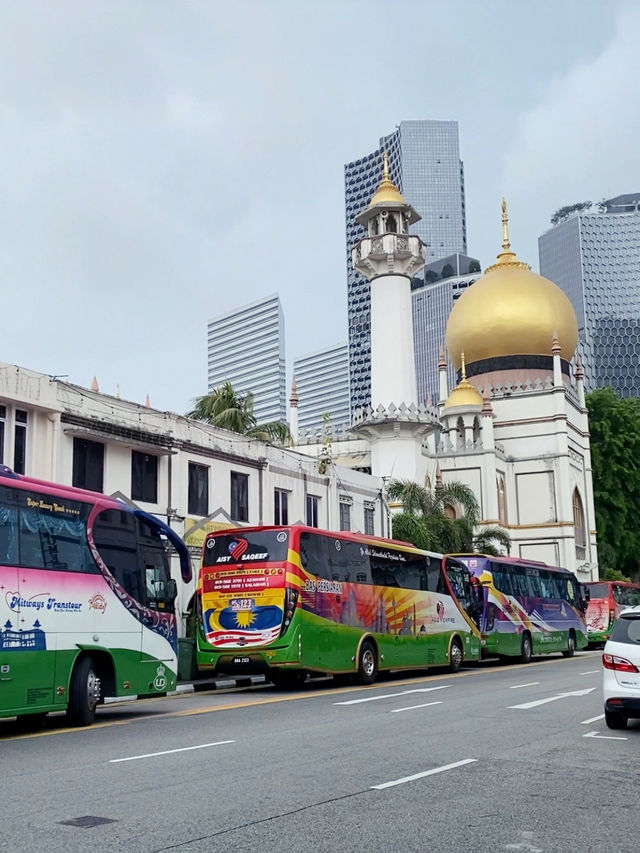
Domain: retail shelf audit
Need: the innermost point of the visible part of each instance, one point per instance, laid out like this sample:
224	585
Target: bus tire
84	692
526	650
367	663
455	656
571	645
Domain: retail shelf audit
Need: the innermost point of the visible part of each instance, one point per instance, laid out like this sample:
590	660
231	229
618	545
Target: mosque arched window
476	432
392	224
502	499
460	433
373	226
449	511
579	526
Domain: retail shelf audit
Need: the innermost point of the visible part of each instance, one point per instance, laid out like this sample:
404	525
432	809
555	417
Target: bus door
469	597
12	689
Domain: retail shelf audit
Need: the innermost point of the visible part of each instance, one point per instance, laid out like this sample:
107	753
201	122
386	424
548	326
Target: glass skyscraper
322	381
595	259
424	163
246	348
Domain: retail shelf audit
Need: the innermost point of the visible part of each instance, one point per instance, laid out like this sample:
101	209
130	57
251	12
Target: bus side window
8	528
115	537
534	583
313	554
501	578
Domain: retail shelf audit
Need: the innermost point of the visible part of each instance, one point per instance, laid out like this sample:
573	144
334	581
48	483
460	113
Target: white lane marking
592	720
526	705
412	707
423	774
392	695
169	751
591	672
604	737
528	684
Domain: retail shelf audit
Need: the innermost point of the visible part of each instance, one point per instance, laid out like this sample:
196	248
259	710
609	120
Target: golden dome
464	394
387	193
510	310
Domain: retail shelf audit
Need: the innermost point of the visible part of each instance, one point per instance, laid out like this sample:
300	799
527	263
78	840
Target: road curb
218	684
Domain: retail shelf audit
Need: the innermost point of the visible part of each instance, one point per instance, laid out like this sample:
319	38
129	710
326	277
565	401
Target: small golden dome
510	310
387	193
464	394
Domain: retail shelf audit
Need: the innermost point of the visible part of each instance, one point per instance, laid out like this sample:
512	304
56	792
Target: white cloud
581	141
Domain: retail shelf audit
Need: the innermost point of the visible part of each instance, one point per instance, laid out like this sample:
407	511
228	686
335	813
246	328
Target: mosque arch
476	431
460	442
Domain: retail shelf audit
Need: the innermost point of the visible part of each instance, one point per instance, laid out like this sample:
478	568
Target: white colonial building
195	476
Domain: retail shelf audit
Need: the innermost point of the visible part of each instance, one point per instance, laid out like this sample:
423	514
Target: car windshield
627	630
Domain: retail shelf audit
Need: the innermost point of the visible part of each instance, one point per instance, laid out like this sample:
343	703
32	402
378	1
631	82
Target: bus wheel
455	656
571	646
84	693
525	648
367	664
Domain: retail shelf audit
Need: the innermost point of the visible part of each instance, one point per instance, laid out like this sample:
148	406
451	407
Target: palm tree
224	407
425	523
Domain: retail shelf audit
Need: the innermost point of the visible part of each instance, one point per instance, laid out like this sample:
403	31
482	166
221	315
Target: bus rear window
262	546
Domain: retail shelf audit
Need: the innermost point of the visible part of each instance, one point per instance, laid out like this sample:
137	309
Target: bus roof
341	534
510	561
9	478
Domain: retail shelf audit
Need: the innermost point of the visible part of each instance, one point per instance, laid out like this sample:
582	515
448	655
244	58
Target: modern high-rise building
433	300
322	382
424	163
595	259
246	348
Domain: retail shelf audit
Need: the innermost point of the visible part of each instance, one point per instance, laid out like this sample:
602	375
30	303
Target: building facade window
280	506
579	526
345	516
3	423
198	497
312	510
20	442
239	496
88	465
144	477
502	500
369	528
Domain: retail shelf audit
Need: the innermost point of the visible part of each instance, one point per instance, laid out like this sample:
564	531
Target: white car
621	662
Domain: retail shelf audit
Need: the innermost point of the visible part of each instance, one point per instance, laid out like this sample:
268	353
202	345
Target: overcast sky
162	162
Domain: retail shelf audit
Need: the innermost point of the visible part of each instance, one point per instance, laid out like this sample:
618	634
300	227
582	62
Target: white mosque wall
393	371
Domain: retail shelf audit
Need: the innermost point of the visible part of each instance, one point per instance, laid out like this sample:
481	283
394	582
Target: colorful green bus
86	600
288	601
527	607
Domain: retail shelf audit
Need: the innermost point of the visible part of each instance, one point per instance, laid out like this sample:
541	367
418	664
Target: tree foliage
447	271
614	423
424	522
614	575
565	212
474	266
224	407
430	276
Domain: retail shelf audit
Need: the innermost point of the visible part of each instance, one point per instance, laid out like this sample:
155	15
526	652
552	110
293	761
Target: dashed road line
528	684
423	774
169	751
592	720
413	707
392	695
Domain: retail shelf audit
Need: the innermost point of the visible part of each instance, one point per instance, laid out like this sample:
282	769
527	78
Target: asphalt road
510	758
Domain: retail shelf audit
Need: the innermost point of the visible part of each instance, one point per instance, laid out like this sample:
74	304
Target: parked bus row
87	603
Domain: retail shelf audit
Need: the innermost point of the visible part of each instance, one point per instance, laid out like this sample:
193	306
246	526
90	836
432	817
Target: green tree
424	520
565	212
430	276
474	266
614	424
614	575
224	407
447	271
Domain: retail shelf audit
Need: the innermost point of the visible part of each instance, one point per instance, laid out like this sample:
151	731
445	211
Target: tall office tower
322	382
595	259
425	165
433	300
246	348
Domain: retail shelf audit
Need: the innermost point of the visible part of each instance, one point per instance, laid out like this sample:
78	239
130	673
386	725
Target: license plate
242	660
